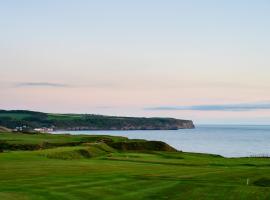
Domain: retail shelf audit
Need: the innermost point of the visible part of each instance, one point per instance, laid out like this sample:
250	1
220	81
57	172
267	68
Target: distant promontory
33	120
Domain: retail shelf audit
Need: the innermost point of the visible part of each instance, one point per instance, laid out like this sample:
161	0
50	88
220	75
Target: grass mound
263	182
142	145
20	141
100	146
68	153
78	152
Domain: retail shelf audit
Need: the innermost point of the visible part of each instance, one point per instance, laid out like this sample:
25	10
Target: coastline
227	141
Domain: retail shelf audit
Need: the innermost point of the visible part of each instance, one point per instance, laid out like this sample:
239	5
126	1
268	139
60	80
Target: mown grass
105	173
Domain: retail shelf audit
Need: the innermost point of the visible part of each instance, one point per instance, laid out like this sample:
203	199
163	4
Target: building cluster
43	130
25	128
21	128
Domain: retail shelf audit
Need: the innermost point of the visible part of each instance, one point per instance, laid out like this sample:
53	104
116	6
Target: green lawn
96	171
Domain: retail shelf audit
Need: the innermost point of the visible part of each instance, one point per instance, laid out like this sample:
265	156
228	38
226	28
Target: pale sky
208	61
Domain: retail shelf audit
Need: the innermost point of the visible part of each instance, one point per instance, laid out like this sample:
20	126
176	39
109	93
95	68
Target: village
27	129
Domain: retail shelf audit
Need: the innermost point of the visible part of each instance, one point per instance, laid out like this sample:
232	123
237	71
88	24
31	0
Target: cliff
30	119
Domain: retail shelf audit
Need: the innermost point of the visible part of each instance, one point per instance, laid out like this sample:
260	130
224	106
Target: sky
190	59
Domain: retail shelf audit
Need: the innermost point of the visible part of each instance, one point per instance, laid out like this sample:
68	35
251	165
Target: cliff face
135	124
31	120
185	124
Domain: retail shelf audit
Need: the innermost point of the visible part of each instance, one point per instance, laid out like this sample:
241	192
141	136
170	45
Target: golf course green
47	166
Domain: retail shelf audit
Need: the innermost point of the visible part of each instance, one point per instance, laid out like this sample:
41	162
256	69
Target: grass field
94	170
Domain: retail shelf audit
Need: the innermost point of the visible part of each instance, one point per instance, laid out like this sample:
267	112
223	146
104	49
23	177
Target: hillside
20	141
31	119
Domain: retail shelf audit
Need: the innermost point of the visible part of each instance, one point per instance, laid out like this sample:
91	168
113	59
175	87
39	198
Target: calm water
225	140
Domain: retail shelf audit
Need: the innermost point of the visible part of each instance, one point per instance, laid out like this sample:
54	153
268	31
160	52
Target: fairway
95	170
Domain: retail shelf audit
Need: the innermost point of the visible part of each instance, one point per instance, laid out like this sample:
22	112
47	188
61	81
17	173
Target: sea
224	140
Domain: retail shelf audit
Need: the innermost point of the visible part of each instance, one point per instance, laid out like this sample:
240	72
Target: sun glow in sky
203	60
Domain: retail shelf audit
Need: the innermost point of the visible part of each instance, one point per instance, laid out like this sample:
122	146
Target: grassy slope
104	173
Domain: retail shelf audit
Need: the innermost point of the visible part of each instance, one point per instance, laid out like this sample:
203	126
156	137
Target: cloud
213	107
62	85
41	84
